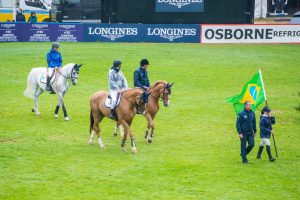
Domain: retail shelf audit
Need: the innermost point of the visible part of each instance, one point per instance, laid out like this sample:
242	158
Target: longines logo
67	26
171	33
113	33
8	25
39	26
179	3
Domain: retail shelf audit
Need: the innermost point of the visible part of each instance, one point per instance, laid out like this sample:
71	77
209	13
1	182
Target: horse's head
75	73
166	94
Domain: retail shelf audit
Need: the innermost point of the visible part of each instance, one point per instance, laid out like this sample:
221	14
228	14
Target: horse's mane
157	83
68	65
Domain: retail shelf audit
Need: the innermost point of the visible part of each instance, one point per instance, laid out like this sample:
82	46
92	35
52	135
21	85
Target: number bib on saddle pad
43	78
108	101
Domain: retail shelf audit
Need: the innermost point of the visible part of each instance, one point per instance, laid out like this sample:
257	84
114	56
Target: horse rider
117	84
141	75
141	79
54	61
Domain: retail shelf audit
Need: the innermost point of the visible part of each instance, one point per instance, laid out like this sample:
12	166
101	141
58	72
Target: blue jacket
32	19
246	122
266	126
141	78
54	59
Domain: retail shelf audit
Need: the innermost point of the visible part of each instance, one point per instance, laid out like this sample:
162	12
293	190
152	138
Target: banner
111	32
141	33
11	32
189	33
250	33
67	32
179	5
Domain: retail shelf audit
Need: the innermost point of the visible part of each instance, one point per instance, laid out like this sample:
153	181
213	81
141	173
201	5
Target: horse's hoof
56	116
123	149
102	146
90	142
149	141
32	110
67	118
38	113
115	134
134	150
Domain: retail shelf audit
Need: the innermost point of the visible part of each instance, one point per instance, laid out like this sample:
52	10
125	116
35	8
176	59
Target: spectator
32	18
261	8
20	17
279	5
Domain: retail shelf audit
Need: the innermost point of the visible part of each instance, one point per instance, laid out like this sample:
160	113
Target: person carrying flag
266	121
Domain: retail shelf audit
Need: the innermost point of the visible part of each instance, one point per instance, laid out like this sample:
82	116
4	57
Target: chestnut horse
125	113
160	90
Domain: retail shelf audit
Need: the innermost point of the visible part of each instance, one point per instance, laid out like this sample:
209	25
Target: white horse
36	85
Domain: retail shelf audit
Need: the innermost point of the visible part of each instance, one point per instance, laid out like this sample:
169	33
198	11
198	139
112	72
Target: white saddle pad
44	78
108	101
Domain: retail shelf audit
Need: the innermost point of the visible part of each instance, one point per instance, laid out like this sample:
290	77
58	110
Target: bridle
163	94
70	76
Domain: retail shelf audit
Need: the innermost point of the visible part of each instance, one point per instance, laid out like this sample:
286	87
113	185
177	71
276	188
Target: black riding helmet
265	109
55	45
117	63
144	62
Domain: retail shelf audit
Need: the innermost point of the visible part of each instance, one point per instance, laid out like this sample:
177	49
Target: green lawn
195	153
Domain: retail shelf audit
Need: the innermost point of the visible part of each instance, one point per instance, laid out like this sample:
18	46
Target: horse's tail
91	121
30	86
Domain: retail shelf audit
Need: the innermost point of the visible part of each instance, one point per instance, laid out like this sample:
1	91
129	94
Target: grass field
195	153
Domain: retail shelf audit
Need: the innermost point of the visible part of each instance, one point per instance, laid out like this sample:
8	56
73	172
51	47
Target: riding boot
269	153
261	148
48	87
112	114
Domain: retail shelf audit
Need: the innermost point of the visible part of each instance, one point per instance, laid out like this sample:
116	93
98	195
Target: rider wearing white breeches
117	84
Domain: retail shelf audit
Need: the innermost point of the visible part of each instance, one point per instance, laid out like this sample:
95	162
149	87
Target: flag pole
265	96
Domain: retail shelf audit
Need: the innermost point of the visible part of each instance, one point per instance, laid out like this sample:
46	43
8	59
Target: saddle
43	78
108	100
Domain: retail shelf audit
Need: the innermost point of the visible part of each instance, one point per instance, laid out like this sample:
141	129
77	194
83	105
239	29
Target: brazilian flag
253	91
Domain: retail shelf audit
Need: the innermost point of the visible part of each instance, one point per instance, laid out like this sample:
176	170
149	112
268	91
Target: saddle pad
108	101
43	78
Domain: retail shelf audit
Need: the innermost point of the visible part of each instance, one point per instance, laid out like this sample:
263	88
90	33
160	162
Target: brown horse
160	90
125	113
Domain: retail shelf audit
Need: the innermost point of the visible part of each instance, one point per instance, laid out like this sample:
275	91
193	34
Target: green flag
253	91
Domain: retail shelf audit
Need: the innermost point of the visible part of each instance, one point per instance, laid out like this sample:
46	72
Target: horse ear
79	65
149	94
170	85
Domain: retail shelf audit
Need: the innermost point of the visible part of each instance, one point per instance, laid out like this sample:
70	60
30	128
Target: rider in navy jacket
141	75
266	121
266	126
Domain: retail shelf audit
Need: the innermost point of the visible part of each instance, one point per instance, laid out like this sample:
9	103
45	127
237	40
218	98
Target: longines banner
250	33
142	33
179	5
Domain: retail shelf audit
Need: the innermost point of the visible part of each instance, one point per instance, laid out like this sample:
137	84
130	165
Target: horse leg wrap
56	110
146	134
65	111
123	144
132	143
152	133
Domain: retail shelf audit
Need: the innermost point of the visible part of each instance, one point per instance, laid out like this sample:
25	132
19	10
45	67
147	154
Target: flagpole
265	96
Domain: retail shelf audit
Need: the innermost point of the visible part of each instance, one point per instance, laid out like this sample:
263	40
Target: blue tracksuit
266	126
54	59
141	78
